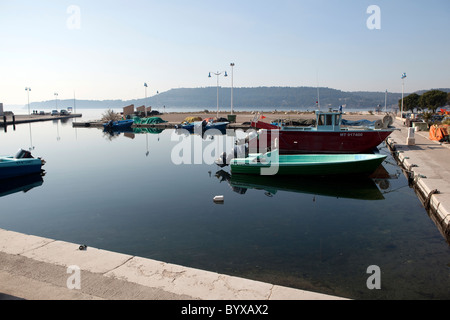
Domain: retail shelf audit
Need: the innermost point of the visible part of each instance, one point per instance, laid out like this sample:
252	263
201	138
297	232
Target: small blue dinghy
118	125
23	163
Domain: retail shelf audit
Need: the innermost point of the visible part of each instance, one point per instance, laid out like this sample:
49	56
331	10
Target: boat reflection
25	184
130	132
360	188
205	134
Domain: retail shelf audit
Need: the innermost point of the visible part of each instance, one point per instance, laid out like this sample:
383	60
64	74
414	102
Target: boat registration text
352	134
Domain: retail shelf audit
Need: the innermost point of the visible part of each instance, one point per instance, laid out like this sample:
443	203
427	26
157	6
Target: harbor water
129	193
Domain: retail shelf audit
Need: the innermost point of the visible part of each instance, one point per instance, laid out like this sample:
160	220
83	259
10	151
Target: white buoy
218	199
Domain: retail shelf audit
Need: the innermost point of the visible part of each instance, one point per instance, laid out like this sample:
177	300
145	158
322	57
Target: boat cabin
328	121
325	121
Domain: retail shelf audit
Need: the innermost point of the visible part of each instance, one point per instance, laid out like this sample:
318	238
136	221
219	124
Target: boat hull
329	142
309	165
11	167
194	126
118	125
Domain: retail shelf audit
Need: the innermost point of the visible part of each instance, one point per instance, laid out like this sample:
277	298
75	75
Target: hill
279	98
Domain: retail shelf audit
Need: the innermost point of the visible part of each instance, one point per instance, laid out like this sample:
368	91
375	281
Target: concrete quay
425	162
36	268
18	119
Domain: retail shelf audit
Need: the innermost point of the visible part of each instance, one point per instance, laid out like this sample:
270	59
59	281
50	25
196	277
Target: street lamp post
232	65
145	107
218	74
403	89
56	100
385	101
28	91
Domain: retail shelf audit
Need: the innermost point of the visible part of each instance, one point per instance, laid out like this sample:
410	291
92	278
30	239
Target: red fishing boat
328	135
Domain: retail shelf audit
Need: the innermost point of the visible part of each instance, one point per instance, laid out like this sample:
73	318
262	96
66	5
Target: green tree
432	100
448	98
410	102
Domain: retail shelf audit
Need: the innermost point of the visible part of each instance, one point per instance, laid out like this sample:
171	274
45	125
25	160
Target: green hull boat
272	163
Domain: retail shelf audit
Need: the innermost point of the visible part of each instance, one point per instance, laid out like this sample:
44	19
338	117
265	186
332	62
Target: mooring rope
428	199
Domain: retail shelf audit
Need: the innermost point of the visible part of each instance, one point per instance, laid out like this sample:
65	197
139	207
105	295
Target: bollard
410	140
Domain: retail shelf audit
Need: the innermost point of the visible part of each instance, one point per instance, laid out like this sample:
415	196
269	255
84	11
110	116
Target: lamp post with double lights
28	91
56	100
232	65
145	106
218	74
403	89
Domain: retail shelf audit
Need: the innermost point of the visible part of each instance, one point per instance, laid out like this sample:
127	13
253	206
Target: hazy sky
108	49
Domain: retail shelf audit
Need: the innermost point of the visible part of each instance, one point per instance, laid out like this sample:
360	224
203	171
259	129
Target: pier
425	164
7	120
36	268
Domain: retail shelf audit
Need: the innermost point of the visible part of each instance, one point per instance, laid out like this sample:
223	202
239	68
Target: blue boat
203	126
22	164
118	125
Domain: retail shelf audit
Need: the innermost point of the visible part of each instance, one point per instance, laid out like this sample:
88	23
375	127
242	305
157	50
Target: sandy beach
242	117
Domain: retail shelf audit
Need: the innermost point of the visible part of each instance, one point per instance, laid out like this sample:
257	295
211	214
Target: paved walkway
429	167
36	268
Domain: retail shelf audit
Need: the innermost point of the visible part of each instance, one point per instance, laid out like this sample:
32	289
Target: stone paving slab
38	268
428	162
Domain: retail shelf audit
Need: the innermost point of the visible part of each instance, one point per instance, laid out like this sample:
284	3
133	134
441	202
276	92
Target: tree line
430	100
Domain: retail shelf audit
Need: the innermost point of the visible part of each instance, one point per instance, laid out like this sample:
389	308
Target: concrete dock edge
36	268
425	163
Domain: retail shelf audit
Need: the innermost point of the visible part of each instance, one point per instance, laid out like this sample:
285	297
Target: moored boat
23	163
328	135
118	125
203	126
272	163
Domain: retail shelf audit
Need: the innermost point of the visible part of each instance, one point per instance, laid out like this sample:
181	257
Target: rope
428	199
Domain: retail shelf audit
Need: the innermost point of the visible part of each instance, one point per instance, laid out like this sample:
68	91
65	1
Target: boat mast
318	98
318	95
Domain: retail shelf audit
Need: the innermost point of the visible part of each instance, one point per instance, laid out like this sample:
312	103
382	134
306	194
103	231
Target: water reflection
361	188
18	184
205	134
129	132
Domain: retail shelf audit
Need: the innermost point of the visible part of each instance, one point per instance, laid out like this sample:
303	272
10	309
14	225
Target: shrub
110	115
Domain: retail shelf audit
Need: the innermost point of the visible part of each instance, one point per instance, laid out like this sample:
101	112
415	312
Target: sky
101	50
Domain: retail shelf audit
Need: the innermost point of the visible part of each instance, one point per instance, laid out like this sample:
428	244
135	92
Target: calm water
125	194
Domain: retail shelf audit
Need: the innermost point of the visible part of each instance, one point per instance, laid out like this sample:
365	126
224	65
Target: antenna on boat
318	95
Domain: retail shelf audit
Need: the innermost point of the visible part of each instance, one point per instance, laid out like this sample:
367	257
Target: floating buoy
218	199
378	124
